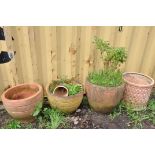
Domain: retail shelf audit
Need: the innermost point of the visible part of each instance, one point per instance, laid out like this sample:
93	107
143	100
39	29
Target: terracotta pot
103	99
66	104
138	88
60	91
20	101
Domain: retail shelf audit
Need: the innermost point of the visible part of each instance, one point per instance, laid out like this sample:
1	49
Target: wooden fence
45	53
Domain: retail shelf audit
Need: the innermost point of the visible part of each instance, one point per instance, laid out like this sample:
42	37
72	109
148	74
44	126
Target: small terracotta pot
138	88
103	99
60	91
20	101
66	104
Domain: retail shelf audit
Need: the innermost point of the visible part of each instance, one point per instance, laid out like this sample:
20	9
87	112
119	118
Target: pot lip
23	84
87	81
139	85
63	97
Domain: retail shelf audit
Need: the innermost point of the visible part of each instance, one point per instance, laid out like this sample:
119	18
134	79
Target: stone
78	110
76	122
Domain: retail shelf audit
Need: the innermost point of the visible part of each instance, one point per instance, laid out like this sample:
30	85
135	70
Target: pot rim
139	85
27	98
51	94
87	81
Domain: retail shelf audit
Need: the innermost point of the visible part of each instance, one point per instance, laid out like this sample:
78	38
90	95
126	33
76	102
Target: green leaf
37	109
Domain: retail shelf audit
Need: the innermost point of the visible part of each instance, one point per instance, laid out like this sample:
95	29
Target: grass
136	117
107	78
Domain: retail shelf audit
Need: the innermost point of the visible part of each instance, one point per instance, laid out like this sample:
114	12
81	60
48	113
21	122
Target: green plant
73	89
118	110
111	56
107	78
151	111
136	117
54	118
13	124
38	108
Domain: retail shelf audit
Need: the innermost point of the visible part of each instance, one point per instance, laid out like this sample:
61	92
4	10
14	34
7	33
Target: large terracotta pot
20	101
66	104
103	99
138	88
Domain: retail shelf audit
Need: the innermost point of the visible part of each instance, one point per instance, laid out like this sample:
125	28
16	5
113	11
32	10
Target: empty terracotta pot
20	101
66	104
103	99
138	88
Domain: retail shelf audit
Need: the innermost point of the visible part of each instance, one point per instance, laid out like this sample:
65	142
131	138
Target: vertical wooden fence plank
34	53
137	48
85	51
54	52
148	62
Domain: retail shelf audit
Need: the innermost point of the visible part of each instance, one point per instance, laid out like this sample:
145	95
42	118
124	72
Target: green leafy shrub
112	57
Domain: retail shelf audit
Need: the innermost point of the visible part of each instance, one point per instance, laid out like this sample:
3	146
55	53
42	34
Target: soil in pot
21	93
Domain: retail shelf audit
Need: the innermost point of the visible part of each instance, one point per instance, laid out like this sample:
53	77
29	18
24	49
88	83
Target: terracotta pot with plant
65	95
105	88
21	100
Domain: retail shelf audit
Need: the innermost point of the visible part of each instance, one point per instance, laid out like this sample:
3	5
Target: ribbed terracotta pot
103	99
20	101
138	88
66	104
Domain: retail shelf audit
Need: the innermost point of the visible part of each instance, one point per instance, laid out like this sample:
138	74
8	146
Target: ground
86	118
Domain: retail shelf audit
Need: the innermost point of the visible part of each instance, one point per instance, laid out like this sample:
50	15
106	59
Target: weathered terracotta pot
20	101
103	99
66	104
138	88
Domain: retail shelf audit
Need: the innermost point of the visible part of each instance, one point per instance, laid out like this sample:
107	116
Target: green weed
13	124
136	117
38	108
50	118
